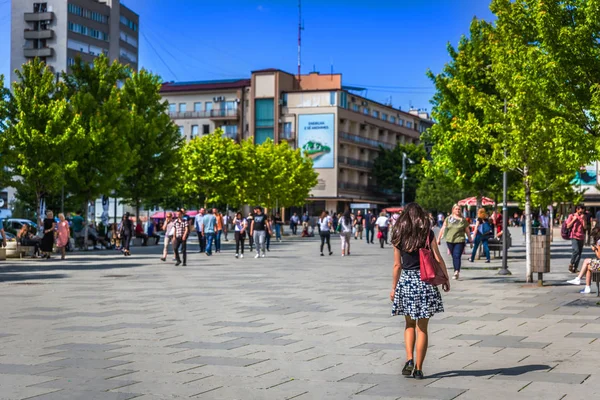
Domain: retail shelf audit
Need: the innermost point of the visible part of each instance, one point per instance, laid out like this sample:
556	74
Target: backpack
565	232
485	229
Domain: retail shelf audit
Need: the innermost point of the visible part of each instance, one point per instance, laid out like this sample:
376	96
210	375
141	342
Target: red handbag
431	270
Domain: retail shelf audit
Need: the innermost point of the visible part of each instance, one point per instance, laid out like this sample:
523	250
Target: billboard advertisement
316	137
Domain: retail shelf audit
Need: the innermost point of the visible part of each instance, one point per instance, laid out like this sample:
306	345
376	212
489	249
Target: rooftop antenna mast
300	29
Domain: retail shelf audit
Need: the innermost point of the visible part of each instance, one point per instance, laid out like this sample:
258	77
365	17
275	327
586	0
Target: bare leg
422	342
409	337
62	252
588	277
586	264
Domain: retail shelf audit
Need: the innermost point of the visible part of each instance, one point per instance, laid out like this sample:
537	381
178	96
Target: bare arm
252	228
396	271
442	230
468	233
570	221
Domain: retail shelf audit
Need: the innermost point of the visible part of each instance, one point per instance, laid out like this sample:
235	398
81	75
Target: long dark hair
412	228
347	219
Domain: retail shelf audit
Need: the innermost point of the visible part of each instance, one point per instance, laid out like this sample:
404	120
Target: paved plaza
294	325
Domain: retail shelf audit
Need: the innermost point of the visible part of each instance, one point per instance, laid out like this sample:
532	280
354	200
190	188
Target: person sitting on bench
139	233
152	232
589	264
26	238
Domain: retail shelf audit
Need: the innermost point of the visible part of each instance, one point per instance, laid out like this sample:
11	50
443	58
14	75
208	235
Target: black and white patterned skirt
416	298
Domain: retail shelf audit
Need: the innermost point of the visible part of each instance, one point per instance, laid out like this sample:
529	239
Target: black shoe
487	261
163	259
322	255
418	374
178	263
331	252
184	265
408	368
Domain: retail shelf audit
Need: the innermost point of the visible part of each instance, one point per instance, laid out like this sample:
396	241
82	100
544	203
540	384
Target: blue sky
383	45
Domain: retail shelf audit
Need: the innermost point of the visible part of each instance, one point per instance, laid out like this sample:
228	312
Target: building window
208	106
392	120
384	117
400	122
195	131
409	124
128	55
265	113
284	100
366	111
231	131
128	39
332	98
198	107
375	114
84	30
355	107
127	22
205	129
182	107
287	127
262	134
172	107
344	100
181	130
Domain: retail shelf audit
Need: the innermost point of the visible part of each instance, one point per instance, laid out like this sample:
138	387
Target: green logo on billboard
316	150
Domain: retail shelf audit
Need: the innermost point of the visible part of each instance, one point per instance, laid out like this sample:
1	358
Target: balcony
43	52
348	137
212	114
356	187
353	162
39	16
42	34
287	135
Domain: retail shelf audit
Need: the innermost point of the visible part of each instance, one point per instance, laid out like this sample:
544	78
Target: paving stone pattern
291	326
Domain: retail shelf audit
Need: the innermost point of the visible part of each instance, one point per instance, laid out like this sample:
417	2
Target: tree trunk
479	201
38	207
86	225
527	185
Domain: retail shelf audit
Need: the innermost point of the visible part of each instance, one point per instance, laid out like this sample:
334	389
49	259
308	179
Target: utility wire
159	56
391	87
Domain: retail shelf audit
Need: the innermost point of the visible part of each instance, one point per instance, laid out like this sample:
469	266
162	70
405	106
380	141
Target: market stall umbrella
392	210
472	201
161	214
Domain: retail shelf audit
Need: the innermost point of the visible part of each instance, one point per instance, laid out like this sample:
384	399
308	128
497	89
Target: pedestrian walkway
292	325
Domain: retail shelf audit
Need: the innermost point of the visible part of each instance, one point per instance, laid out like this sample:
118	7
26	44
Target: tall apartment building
57	31
342	131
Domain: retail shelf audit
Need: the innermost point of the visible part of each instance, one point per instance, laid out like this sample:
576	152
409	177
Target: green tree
439	194
154	141
521	125
464	158
38	142
105	155
387	169
210	169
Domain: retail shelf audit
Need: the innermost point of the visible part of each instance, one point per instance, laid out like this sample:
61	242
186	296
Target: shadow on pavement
513	371
26	277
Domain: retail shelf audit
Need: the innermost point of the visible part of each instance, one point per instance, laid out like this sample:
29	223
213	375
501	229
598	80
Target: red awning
161	214
472	201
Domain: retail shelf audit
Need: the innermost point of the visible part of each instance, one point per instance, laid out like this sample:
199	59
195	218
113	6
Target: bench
15	250
495	246
596	278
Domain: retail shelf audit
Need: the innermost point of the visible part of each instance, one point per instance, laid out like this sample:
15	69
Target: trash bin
540	256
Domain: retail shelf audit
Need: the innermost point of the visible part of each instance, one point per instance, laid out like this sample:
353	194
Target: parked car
15	224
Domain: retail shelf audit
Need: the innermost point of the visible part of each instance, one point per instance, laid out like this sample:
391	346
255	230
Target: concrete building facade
57	31
342	131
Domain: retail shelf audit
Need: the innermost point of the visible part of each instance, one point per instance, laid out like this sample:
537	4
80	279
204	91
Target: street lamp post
403	176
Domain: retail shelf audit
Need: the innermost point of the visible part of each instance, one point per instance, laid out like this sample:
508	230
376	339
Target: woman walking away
325	231
345	224
168	229
63	235
416	300
483	231
249	220
455	228
125	233
48	239
382	226
241	226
